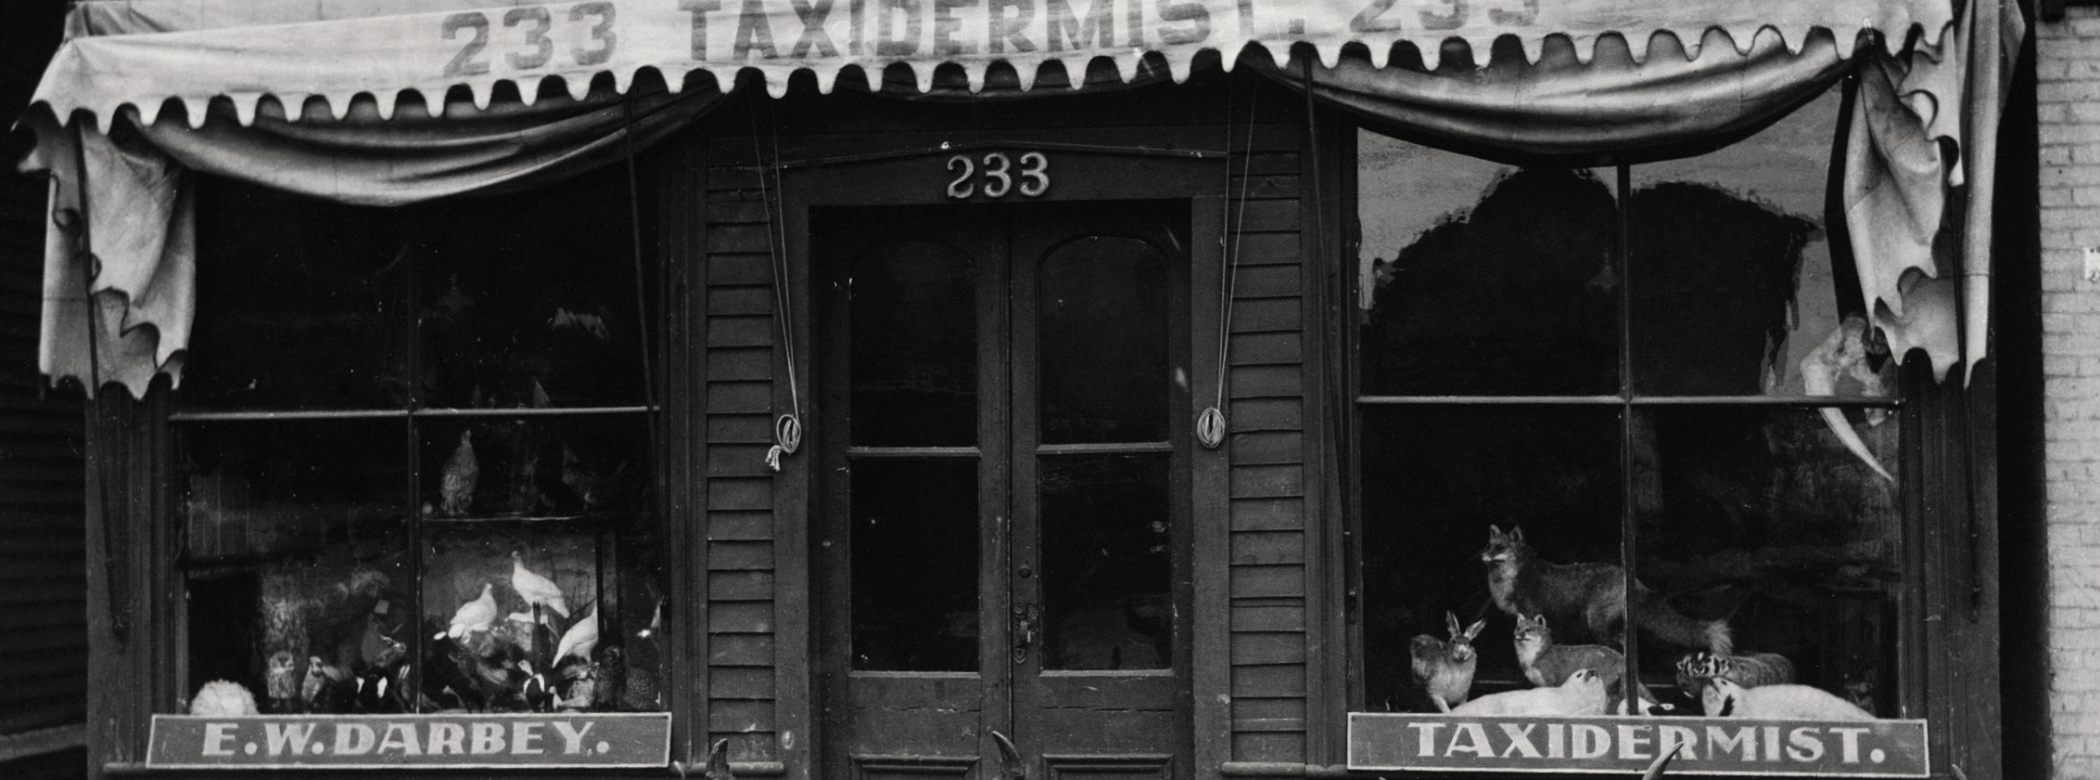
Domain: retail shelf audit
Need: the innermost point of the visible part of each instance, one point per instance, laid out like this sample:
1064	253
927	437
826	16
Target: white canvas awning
395	101
144	52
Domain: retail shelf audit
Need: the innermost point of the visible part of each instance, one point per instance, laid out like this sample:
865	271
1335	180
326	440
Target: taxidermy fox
1725	699
1749	670
1521	584
1445	669
1582	694
1547	664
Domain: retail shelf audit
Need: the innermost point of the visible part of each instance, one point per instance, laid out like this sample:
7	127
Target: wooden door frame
918	175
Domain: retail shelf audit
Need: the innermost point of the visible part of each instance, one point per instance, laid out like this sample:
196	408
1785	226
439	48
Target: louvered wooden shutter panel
43	622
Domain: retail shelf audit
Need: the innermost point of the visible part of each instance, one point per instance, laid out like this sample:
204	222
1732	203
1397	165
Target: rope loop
1210	428
787	437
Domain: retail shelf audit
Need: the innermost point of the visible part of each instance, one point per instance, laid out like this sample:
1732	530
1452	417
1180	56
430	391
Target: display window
1627	448
415	460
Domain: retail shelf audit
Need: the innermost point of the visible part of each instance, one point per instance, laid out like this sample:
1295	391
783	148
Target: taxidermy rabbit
1749	670
1582	694
1521	584
1725	699
1547	664
1445	669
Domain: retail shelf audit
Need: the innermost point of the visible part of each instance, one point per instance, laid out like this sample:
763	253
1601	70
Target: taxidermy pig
1521	584
1725	699
1582	694
1445	669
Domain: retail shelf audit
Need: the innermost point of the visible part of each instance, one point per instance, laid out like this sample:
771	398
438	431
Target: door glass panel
914	564
914	347
1107	555
1103	341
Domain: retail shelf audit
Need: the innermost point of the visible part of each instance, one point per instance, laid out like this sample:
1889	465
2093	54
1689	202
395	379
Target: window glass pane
1107	562
914	564
1102	341
1479	279
1447	488
1761	518
914	346
529	300
1734	292
541	574
299	304
295	546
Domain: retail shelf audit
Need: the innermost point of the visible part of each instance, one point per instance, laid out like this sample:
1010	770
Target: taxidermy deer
1521	584
1582	694
1547	664
1445	669
1725	699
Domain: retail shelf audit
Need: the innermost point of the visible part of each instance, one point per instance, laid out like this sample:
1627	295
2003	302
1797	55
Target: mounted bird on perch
456	485
536	590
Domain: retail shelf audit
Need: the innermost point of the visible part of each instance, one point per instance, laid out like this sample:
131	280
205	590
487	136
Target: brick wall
2068	97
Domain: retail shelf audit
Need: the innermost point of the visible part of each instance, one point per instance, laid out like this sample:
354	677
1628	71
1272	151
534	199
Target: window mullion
1629	681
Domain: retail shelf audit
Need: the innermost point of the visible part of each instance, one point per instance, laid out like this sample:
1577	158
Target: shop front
958	391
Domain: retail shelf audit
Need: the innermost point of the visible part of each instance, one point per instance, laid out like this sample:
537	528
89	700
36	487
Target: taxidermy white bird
580	639
221	698
456	487
535	588
476	615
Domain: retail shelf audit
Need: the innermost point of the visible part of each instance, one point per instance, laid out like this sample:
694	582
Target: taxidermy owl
282	677
456	487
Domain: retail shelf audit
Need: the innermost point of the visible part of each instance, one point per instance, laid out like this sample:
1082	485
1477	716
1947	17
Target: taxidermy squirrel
1521	584
1725	699
1445	669
1547	664
1749	670
1582	694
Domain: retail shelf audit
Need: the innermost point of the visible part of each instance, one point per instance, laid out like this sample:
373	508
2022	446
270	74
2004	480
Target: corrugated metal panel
43	626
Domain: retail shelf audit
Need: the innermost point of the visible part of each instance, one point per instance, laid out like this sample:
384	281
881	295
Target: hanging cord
641	298
74	223
787	428
1211	425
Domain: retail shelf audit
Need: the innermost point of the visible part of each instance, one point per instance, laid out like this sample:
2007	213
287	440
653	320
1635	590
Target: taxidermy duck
474	616
456	485
537	590
580	639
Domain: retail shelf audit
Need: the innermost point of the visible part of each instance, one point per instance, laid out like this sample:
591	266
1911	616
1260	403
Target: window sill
736	768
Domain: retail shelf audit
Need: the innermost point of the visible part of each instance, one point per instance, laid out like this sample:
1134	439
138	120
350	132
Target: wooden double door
1003	502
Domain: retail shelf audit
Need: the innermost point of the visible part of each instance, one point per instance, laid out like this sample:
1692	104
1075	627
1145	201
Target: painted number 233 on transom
998	175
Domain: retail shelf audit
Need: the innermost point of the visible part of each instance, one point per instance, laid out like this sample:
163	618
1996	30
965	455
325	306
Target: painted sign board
1625	746
487	740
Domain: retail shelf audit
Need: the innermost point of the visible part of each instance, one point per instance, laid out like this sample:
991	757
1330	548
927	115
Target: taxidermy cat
1582	694
1445	669
1749	670
1725	699
1547	664
1521	584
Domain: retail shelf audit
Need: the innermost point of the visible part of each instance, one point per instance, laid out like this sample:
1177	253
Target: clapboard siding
742	695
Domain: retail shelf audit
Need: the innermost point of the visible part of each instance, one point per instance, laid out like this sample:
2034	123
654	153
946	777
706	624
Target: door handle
1011	767
1024	631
